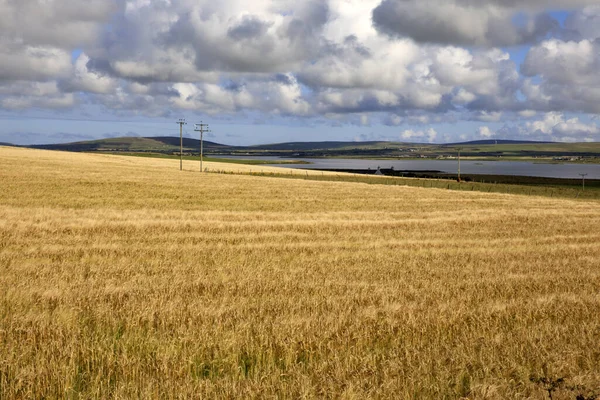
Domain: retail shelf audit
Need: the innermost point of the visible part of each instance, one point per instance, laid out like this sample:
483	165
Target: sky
269	71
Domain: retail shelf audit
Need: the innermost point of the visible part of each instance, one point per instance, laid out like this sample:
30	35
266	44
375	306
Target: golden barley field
123	277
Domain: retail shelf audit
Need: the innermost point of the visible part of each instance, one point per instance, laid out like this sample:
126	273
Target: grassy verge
491	186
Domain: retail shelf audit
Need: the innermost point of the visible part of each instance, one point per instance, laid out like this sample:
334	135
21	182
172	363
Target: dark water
516	168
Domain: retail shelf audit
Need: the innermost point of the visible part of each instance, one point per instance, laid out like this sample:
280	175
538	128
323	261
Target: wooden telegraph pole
583	181
181	123
459	149
201	128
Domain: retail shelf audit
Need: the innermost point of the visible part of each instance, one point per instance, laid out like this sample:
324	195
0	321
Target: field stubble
124	277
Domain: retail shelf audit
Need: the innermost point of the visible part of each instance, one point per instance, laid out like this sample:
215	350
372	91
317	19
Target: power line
201	128
181	123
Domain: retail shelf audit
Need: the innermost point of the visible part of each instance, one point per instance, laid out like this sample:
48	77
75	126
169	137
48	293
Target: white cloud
485	116
382	66
275	97
180	40
564	76
564	62
467	23
394	120
485	132
23	95
54	24
330	48
586	22
463	96
85	80
399	62
527	113
38	35
555	126
32	63
411	135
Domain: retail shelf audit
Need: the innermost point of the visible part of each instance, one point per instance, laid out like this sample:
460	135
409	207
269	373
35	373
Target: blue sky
276	71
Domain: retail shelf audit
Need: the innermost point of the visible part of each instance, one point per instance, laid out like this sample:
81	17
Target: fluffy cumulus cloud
32	62
471	23
35	48
485	132
399	63
83	79
555	126
585	23
568	77
37	36
186	41
564	62
552	126
561	72
23	95
428	135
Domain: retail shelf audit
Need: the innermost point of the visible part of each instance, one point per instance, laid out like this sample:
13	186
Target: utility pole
201	128
181	123
583	181
459	149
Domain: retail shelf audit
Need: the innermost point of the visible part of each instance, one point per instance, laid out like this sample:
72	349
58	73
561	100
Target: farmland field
123	277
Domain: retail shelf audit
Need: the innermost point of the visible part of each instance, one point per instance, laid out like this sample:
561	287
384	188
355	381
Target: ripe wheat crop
124	277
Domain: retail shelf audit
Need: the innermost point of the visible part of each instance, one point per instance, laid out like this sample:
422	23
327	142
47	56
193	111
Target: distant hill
133	144
171	144
121	143
6	144
188	142
306	146
492	141
372	149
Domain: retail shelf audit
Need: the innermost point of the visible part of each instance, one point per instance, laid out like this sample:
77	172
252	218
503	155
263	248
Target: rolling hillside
488	148
306	146
133	144
171	143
